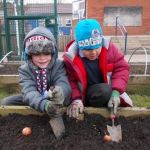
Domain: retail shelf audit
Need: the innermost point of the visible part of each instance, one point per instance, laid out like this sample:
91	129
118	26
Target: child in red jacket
97	70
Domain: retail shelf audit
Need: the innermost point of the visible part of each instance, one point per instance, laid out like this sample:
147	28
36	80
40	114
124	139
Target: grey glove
75	108
58	95
53	110
114	101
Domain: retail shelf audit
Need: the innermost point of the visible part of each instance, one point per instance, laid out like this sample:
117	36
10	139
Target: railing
123	32
5	56
146	58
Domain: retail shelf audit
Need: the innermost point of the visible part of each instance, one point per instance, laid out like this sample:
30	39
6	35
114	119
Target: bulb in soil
26	131
107	138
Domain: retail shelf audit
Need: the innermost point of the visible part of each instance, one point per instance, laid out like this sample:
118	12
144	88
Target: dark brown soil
6	69
80	135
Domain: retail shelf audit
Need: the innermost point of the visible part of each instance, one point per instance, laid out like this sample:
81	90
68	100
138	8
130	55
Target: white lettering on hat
36	38
90	42
95	39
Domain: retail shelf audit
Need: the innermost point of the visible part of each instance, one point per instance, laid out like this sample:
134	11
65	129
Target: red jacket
112	64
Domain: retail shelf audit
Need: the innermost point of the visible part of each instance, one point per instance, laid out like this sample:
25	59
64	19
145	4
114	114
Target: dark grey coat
56	76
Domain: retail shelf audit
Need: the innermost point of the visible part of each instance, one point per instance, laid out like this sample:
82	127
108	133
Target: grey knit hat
39	45
39	40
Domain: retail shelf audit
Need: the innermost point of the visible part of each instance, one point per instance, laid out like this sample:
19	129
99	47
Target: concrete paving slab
134	58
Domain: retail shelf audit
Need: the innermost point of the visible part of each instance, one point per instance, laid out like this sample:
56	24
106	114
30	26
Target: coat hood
36	33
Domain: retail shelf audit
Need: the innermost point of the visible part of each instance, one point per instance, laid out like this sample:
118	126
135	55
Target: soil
9	69
80	135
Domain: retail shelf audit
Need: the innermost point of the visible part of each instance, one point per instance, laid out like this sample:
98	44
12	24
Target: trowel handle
113	117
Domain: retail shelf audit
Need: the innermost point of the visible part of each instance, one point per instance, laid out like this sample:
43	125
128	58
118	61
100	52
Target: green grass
8	90
140	100
3	93
140	94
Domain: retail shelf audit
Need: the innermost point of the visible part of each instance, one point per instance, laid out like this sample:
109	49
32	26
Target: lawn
140	94
8	90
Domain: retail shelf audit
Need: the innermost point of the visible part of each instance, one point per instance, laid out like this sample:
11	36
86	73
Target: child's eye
46	53
36	54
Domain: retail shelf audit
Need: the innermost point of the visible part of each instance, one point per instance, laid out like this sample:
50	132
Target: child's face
41	60
91	54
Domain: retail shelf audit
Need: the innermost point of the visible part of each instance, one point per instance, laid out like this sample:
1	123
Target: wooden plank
127	112
139	79
9	79
24	110
122	111
133	80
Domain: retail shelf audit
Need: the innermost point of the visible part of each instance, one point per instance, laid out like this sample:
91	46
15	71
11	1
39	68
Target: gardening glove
114	101
49	94
53	110
75	108
58	95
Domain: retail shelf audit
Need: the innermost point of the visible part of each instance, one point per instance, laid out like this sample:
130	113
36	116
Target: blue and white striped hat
88	34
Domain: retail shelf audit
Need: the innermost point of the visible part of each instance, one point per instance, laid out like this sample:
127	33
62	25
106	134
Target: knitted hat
39	44
88	34
39	40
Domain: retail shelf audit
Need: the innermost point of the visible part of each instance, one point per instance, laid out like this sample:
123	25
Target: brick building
134	14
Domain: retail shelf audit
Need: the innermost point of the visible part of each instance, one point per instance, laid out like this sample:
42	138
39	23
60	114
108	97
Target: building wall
95	9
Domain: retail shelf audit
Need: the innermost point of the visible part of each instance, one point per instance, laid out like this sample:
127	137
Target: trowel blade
115	132
57	126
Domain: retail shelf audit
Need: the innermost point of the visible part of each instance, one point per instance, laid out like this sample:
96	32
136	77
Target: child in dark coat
43	77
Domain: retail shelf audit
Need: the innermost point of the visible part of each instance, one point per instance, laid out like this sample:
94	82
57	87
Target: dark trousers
98	95
13	100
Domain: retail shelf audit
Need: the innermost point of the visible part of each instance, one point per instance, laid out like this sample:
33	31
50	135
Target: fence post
1	45
116	25
7	28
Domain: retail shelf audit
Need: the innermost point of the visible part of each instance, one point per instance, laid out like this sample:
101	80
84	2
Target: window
130	16
78	9
68	22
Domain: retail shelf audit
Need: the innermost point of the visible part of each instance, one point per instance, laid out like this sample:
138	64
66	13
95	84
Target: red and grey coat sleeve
76	93
120	73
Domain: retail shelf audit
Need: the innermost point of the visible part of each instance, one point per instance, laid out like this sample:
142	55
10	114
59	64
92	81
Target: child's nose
41	56
92	52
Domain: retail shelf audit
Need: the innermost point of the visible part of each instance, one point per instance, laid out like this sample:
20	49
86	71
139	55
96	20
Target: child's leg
13	100
98	95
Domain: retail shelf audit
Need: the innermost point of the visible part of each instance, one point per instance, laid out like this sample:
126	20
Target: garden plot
80	134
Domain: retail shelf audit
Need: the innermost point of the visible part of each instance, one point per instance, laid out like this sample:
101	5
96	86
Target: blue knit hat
88	34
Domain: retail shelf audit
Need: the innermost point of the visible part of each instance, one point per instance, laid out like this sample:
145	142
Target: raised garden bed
11	68
9	73
80	134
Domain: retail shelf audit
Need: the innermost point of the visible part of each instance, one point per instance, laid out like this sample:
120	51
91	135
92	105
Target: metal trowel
57	126
114	131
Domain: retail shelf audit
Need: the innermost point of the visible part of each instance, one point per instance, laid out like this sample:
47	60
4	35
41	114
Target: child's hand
50	93
114	100
58	95
75	108
53	110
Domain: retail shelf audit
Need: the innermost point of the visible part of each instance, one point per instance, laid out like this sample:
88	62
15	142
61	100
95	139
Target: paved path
134	58
138	58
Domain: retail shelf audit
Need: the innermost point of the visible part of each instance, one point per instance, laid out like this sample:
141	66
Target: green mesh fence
21	16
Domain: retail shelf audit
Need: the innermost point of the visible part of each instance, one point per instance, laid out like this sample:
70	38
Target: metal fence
122	29
21	16
63	40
